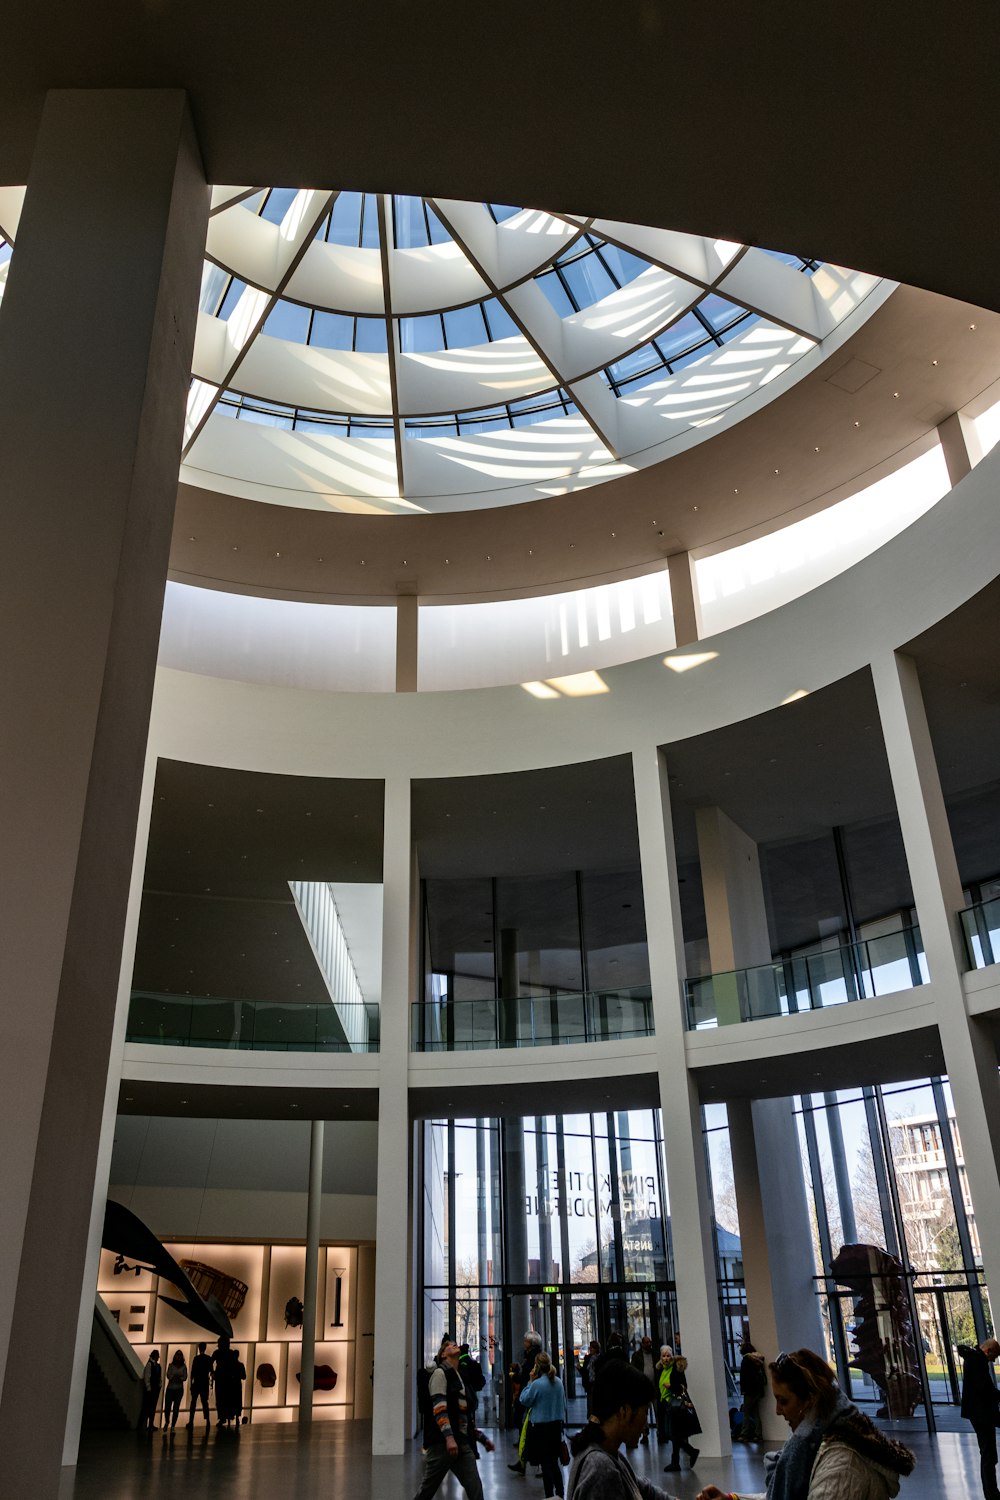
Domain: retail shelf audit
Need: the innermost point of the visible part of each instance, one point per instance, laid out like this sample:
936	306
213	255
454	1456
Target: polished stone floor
275	1463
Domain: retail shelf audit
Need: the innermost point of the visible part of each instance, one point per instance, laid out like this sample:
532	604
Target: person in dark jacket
600	1471
587	1371
450	1433
152	1380
644	1360
201	1374
753	1389
682	1418
981	1404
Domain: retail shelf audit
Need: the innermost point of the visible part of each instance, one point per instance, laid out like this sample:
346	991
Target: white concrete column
960	445
969	1051
314	1207
393	1323
102	1175
407	642
775	1229
683	1139
684	602
96	333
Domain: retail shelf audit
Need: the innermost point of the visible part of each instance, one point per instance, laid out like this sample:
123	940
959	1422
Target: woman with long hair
544	1399
176	1374
835	1452
600	1471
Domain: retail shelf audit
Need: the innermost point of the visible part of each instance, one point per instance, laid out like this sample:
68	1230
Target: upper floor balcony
808	981
530	1020
250	1025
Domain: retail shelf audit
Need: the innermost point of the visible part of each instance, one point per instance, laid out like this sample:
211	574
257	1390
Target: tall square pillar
683	1139
969	1051
394	1379
96	334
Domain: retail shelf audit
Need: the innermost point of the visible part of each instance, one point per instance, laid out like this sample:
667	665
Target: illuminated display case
256	1282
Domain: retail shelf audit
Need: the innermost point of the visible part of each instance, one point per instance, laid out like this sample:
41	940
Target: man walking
980	1403
201	1372
450	1433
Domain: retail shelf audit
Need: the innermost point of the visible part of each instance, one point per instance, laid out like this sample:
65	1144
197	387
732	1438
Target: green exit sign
550	1289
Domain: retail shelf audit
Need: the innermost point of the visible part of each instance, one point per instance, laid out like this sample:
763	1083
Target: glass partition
879	965
981	929
249	1025
443	1025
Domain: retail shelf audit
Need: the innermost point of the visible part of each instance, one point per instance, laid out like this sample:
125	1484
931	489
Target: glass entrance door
567	1317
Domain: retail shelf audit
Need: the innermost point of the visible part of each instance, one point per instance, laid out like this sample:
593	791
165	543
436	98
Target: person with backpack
472	1373
753	1389
450	1432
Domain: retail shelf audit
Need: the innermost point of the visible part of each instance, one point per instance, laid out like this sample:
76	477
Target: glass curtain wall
512	959
898	1262
551	1223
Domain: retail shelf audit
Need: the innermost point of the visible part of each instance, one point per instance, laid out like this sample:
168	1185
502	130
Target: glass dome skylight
381	353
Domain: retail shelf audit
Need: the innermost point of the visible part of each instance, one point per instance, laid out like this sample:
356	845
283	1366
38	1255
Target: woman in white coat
835	1452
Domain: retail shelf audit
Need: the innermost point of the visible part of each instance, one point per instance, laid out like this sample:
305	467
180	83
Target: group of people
223	1369
834	1451
671	1412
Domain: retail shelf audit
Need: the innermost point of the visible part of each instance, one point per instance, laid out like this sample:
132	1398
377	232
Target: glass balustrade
530	1020
250	1025
981	928
808	981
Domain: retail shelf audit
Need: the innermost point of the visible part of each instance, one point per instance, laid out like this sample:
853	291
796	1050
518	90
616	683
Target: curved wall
922	575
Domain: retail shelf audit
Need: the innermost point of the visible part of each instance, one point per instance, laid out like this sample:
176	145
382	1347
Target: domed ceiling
381	354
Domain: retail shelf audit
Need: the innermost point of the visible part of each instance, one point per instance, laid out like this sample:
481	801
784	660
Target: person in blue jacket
544	1398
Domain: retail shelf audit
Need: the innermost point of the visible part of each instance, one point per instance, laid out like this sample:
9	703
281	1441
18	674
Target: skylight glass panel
214	281
738	326
502	211
719	312
558	297
369	222
345	220
465	327
498	320
623	265
255	200
495	420
587	279
439	427
332	330
329	427
439	235
233	294
410	231
640	359
277	203
370	336
288	320
421	335
681	336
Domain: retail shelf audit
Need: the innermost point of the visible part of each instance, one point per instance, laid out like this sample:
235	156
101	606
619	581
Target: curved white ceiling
381	353
377	353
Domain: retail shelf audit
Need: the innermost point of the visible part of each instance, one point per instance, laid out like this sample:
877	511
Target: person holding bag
682	1418
544	1399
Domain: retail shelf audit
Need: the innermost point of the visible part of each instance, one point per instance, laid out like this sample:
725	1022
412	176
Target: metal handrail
556	1018
244	1025
808	981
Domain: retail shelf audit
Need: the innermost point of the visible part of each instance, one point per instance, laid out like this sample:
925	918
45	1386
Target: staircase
102	1411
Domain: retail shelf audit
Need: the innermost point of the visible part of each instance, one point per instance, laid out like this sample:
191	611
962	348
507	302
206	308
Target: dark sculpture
131	1240
883	1329
324	1377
